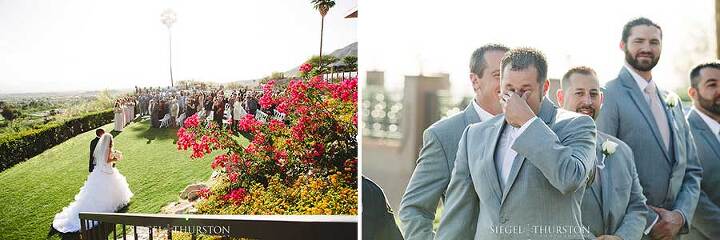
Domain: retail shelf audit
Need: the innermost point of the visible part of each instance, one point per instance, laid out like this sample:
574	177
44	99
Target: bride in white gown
105	190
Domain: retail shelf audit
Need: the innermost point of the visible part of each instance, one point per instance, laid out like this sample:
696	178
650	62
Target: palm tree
323	6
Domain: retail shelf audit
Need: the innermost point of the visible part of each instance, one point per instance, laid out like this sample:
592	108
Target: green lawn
35	190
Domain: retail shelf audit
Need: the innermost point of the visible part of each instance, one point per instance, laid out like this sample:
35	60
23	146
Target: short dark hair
477	60
637	22
695	72
522	58
99	131
584	70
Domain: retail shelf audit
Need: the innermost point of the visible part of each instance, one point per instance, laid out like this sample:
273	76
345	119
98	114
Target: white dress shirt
484	115
505	155
711	123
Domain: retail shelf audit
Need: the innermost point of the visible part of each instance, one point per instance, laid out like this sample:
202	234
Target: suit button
503	220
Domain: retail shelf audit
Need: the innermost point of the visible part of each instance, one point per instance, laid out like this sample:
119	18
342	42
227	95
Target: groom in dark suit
99	132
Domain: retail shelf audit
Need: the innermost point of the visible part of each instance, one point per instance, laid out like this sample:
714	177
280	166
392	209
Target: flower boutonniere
608	148
672	100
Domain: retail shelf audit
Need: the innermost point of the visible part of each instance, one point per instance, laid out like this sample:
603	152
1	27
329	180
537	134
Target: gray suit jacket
556	153
432	173
614	204
627	116
706	222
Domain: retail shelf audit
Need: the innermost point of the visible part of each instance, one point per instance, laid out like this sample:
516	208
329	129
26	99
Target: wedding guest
238	113
174	112
639	113
218	110
613	206
155	114
437	156
251	104
529	165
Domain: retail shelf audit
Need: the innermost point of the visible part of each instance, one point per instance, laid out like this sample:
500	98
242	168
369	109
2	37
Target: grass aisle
35	190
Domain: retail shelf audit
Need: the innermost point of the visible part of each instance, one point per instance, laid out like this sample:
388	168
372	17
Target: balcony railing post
83	228
169	227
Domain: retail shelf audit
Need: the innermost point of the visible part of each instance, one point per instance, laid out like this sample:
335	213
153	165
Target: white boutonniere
672	100
608	148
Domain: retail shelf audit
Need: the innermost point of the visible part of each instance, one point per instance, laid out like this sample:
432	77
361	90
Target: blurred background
415	56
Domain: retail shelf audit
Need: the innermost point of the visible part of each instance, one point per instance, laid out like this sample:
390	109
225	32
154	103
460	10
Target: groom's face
521	81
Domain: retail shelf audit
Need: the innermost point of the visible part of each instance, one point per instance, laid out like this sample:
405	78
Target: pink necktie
658	114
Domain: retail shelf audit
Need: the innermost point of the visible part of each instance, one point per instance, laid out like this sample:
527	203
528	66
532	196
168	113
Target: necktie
658	114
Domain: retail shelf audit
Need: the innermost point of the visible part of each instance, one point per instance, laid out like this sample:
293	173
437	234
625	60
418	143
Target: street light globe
168	17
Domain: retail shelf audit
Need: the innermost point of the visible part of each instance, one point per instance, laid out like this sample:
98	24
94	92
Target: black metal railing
105	225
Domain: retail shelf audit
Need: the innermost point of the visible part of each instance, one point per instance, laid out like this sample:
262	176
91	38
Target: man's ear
546	86
622	45
473	80
692	92
560	97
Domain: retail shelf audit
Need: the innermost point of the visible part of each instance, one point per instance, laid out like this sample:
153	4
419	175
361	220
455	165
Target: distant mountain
349	50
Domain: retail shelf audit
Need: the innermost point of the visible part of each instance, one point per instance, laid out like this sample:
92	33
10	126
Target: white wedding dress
106	190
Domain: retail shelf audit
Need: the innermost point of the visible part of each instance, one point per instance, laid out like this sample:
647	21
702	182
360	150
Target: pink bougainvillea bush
304	163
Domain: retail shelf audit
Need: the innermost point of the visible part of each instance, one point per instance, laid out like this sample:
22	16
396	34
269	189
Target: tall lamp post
168	17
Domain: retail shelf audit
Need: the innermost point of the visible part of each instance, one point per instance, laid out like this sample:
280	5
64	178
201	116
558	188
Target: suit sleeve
459	218
634	222
608	120
565	164
427	184
707	218
687	198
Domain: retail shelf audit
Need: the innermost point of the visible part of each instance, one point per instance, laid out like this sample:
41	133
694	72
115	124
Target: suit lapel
594	187
547	115
487	165
607	183
514	170
674	131
697	122
639	99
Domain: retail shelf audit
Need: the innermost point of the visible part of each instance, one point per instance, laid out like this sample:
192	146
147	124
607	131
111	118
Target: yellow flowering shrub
329	195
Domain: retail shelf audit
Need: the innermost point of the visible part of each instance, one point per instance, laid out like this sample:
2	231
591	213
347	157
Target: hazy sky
405	37
50	45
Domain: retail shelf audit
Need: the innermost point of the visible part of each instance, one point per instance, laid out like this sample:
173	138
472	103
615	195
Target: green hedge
18	147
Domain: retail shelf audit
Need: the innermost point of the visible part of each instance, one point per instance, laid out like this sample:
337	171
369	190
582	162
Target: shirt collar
484	115
711	123
641	82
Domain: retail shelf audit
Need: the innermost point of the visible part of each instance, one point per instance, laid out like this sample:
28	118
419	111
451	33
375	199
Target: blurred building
393	123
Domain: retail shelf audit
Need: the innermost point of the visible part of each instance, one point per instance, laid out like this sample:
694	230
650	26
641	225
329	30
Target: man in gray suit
652	123
613	206
704	122
521	174
437	157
